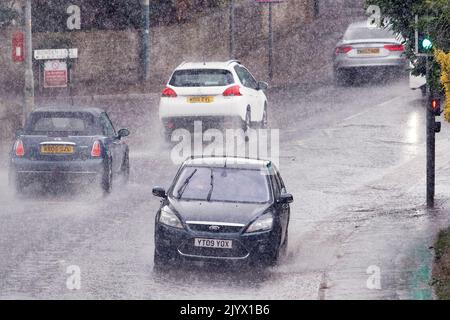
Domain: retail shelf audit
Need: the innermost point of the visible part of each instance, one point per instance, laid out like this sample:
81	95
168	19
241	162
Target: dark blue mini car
68	146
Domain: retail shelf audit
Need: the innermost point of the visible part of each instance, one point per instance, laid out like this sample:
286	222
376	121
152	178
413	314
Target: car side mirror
286	198
262	85
159	192
123	133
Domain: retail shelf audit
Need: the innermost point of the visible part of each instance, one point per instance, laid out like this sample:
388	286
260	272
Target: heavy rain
132	133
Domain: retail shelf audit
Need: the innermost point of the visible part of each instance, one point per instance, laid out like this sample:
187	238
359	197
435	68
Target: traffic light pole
431	140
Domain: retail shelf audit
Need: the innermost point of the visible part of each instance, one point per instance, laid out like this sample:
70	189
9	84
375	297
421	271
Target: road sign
56	54
55	74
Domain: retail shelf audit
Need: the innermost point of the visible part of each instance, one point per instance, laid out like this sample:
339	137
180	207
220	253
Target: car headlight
170	219
263	223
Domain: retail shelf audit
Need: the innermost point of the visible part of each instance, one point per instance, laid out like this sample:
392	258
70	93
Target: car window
229	185
108	128
246	77
72	123
201	78
368	33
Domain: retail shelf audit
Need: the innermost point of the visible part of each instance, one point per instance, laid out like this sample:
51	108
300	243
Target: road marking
370	109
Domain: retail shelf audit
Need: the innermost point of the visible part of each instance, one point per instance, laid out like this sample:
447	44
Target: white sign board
56	54
55	74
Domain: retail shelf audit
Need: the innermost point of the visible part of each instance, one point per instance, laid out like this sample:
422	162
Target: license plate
200	99
213	243
57	149
369	51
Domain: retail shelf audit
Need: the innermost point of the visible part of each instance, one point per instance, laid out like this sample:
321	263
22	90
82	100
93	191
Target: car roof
359	24
228	162
91	110
207	65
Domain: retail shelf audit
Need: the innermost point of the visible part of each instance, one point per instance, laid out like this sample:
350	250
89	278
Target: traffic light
425	44
435	108
435	105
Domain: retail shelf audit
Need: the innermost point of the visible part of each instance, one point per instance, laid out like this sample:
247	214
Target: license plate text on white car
213	243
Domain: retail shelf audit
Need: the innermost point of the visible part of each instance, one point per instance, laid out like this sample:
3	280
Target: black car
69	145
223	209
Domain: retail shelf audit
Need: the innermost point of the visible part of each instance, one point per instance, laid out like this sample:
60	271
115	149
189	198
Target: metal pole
28	104
270	42
145	40
431	136
231	30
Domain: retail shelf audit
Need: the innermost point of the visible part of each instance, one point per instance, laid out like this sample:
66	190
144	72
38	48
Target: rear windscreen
368	33
201	78
77	123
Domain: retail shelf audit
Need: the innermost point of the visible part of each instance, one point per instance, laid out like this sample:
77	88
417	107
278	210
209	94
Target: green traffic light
427	44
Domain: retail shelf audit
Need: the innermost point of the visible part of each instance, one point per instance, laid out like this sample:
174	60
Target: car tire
341	77
265	120
160	261
270	259
126	168
247	123
15	183
107	178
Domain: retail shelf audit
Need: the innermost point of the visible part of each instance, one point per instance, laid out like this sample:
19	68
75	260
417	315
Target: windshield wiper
184	185
212	186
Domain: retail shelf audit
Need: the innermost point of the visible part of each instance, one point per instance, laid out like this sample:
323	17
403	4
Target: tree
434	16
7	13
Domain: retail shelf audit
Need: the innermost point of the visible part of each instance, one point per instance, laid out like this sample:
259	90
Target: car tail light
343	49
232	91
20	150
96	149
394	47
169	93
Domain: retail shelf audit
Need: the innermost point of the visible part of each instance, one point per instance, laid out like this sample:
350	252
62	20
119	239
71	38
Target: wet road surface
353	157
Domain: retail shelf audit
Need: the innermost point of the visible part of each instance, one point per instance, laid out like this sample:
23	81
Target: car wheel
15	182
107	178
246	124
126	168
264	122
341	77
284	246
270	259
160	261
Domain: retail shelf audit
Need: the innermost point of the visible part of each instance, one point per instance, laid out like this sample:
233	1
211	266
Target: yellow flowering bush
444	61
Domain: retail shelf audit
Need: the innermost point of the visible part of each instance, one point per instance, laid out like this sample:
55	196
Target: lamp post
145	39
28	104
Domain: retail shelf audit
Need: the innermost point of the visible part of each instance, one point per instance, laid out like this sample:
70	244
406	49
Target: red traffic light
434	104
435	107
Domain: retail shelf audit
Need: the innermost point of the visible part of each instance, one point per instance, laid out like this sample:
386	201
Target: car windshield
222	185
201	78
73	123
368	33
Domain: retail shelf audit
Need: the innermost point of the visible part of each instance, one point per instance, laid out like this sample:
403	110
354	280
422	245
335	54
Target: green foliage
434	16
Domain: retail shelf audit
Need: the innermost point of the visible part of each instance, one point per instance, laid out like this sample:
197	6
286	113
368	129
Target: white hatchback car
212	91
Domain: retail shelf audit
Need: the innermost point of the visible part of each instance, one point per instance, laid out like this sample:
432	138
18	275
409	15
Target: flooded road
353	157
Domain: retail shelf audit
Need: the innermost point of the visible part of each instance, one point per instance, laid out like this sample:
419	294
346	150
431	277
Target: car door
284	208
114	144
250	89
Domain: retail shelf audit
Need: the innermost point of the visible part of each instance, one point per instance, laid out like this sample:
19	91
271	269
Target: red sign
18	54
55	74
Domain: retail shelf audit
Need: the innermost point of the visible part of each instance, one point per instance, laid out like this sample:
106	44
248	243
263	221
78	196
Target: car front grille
215	228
